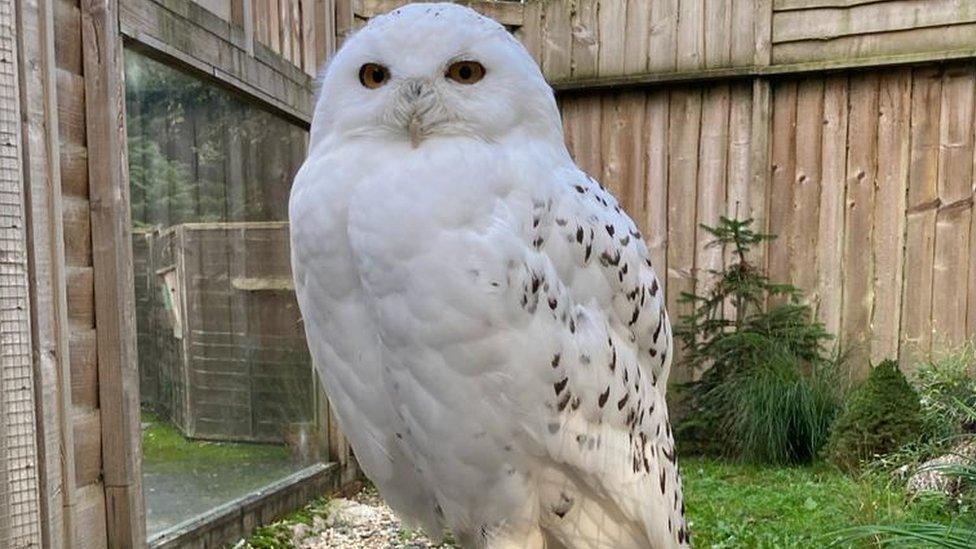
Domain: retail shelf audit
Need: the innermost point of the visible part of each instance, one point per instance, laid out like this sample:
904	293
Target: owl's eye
373	75
466	72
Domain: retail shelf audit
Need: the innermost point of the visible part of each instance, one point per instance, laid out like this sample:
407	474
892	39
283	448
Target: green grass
732	505
744	505
163	444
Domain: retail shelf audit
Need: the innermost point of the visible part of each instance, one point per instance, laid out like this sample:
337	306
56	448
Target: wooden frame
601	64
183	33
48	307
118	376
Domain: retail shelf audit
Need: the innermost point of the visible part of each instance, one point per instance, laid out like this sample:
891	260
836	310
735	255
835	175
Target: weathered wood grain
801	238
954	212
858	270
922	204
894	115
833	184
781	188
683	146
118	376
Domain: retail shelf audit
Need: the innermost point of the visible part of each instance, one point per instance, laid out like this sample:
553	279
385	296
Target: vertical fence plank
274	26
923	196
743	32
711	185
833	178
686	110
662	48
781	182
718	33
739	172
557	45
861	181
637	36
740	145
691	38
614	146
613	21
805	209
894	109
655	226
310	38
955	210
586	33
763	25
260	16
589	152
530	34
345	23
623	119
759	161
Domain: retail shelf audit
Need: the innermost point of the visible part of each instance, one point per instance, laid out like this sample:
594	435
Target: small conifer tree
764	393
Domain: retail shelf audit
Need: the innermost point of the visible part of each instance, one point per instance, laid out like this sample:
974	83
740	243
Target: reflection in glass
225	376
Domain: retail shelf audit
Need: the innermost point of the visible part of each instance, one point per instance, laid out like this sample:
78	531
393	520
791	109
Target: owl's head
434	70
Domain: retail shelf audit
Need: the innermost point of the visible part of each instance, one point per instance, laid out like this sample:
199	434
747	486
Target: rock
931	475
344	512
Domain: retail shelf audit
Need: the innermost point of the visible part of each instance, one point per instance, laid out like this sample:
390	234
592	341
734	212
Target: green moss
163	444
880	416
278	535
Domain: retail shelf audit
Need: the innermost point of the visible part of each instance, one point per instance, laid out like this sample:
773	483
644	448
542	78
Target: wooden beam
45	238
118	376
506	13
195	39
658	79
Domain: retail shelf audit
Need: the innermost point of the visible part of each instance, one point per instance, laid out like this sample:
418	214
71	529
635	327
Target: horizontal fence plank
912	41
828	23
784	5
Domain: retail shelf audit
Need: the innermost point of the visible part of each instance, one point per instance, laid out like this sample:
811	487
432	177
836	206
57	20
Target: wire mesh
19	515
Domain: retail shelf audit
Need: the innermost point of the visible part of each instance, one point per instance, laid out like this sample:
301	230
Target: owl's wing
592	290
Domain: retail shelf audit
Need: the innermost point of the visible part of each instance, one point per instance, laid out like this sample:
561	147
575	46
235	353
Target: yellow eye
373	75
466	72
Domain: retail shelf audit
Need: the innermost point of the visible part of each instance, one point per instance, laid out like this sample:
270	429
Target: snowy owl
484	317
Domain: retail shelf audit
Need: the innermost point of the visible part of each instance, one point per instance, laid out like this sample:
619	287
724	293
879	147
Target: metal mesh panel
19	517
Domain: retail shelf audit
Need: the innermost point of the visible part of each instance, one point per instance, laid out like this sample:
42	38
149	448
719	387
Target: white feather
489	331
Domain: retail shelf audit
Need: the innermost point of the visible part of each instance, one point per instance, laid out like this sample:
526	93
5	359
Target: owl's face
427	71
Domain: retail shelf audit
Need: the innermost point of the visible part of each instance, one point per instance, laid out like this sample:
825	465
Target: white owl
485	319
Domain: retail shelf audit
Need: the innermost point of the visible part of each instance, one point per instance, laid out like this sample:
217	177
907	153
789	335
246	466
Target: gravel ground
361	522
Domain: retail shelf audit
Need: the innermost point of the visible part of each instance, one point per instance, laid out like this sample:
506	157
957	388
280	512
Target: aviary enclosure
148	150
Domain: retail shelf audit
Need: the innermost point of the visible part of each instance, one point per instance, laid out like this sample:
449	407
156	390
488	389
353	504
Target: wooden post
45	237
114	286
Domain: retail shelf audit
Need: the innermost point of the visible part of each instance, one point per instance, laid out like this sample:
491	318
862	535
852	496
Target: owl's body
489	330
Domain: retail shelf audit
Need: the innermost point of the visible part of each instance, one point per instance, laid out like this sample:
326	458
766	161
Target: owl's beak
414	129
418	95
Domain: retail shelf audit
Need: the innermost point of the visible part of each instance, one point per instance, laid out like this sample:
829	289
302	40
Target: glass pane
226	379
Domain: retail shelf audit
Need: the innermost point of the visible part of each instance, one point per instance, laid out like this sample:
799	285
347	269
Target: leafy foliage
880	416
957	532
767	392
947	391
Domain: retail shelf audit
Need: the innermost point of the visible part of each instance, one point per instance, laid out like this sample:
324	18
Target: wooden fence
845	127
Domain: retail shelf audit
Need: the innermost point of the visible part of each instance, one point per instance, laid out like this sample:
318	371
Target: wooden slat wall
301	31
869	187
87	511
